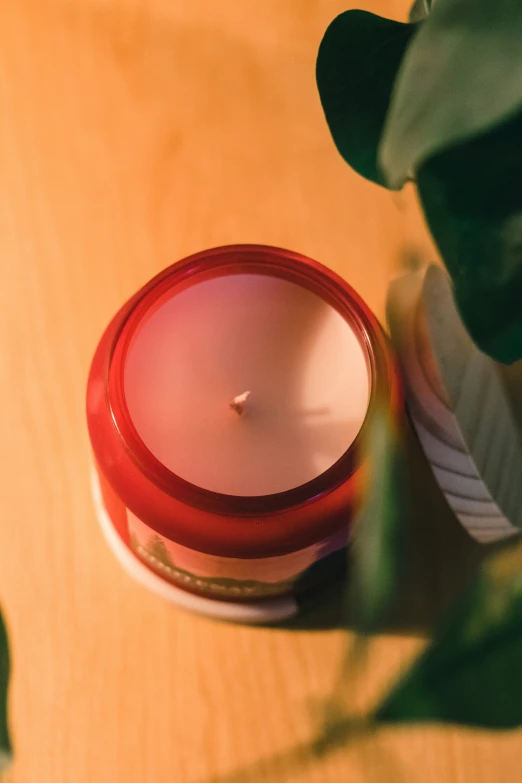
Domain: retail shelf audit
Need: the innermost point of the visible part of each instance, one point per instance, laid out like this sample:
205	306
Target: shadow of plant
439	560
340	734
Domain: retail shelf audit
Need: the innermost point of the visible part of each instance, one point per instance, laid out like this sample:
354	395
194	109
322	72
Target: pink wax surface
305	369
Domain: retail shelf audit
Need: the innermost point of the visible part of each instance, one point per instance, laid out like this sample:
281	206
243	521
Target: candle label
227	576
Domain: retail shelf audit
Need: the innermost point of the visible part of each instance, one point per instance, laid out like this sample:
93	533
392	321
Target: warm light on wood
133	133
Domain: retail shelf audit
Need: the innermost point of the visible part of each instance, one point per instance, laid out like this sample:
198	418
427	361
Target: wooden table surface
134	132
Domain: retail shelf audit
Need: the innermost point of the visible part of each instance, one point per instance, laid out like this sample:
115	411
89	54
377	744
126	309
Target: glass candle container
227	402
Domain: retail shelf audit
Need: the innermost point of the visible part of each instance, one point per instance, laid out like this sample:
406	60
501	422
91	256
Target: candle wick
238	403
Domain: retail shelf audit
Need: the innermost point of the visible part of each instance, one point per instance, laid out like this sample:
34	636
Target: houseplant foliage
441	100
470	673
378	545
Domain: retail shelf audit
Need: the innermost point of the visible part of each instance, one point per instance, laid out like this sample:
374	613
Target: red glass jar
232	556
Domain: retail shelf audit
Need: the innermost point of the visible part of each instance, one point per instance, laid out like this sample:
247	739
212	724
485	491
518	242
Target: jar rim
252	259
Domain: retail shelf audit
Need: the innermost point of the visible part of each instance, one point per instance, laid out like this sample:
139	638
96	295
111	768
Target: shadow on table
439	560
375	759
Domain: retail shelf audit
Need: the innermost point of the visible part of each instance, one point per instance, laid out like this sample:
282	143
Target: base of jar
268	611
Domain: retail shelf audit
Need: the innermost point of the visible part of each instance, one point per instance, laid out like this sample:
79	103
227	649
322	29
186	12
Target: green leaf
5	742
377	550
461	75
357	62
377	554
470	674
472	199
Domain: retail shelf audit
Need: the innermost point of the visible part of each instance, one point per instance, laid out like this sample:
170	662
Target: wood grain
133	132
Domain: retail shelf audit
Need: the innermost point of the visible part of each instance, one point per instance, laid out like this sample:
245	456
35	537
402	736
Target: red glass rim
247	259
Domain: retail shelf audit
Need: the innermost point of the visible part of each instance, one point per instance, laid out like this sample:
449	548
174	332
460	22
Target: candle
303	367
226	401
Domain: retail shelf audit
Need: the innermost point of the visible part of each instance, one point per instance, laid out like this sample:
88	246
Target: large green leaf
461	75
5	742
470	674
358	60
472	199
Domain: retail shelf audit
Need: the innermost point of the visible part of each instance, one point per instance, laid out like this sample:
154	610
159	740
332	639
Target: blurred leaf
470	673
505	566
461	75
358	60
5	742
472	199
377	550
375	565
